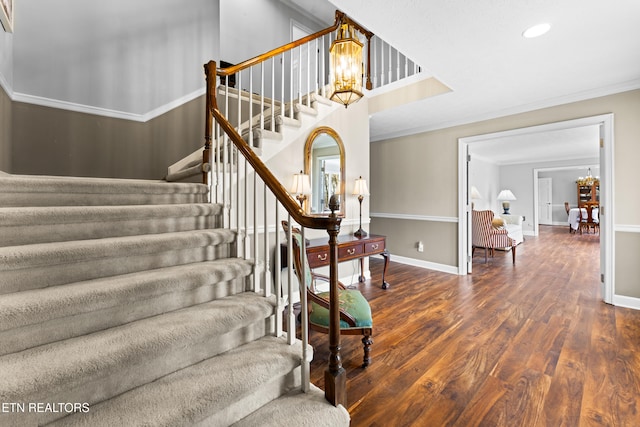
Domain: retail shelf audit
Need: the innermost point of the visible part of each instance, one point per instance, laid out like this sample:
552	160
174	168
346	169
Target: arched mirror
324	163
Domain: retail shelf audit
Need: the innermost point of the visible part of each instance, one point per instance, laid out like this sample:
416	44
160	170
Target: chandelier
345	56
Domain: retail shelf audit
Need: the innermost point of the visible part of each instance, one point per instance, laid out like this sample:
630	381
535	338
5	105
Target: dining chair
355	311
588	220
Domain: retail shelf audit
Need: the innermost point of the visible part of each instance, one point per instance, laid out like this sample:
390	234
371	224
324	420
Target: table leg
386	255
361	278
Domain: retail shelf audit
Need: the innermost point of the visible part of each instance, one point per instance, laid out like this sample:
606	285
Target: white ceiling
474	47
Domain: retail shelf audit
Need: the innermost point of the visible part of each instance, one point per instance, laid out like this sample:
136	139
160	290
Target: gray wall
50	141
563	188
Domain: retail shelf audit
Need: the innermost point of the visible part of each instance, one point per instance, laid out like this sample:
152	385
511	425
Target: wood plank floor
525	345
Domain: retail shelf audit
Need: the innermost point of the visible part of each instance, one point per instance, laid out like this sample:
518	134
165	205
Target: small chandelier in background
589	179
345	57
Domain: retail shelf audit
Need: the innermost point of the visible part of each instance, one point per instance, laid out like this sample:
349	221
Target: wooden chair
355	312
568	208
484	235
587	221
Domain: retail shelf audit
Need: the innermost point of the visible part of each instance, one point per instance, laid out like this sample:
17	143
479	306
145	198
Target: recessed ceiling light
536	30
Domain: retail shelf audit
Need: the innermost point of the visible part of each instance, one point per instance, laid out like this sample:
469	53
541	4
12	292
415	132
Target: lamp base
506	212
360	233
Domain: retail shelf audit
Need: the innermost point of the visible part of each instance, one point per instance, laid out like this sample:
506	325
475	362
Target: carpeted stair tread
40	305
298	409
29	225
48	264
127	356
34	190
50	215
202	394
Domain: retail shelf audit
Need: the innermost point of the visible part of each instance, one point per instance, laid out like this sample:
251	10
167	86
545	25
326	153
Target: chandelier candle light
301	187
360	190
506	196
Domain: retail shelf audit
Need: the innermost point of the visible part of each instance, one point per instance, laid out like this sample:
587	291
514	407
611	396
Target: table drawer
318	258
351	251
374	247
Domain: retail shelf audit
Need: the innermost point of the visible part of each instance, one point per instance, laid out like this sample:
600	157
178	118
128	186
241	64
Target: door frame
607	236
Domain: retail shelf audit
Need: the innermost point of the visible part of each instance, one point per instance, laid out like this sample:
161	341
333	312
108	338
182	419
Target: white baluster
267	260
256	257
282	103
262	95
273	94
277	285
390	66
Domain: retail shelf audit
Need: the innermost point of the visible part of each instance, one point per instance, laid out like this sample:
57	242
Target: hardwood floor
525	345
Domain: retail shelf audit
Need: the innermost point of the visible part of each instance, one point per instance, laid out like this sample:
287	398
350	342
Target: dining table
574	216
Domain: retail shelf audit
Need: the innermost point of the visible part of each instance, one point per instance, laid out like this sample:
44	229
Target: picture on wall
6	17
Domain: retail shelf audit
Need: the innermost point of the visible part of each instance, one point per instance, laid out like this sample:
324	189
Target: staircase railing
245	102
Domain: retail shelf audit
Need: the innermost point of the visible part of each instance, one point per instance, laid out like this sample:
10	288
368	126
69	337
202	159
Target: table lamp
506	196
360	190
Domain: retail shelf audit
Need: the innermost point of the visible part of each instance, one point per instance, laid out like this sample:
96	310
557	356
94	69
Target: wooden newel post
335	377
210	83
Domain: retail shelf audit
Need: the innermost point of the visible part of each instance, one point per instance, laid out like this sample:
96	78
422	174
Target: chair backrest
481	227
588	218
300	260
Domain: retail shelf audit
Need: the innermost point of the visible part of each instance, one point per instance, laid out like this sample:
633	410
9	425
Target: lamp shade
345	58
360	187
301	184
475	194
506	195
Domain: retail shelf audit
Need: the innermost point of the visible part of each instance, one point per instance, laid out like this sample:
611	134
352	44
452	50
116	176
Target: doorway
607	256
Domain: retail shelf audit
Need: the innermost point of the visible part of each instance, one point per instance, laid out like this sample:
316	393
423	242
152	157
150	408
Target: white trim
425	264
627	302
627	228
607	196
581	96
413	217
88	109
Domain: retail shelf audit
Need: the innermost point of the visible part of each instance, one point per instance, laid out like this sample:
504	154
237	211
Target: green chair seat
351	301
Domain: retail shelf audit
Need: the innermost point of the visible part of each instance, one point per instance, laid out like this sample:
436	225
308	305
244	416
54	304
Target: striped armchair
484	235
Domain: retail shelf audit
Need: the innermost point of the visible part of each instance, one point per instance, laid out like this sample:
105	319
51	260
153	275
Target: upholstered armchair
355	312
485	235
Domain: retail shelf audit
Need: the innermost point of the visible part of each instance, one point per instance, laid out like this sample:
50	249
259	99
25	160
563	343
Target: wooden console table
349	247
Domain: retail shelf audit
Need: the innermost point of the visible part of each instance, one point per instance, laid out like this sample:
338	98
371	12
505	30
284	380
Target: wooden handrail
340	19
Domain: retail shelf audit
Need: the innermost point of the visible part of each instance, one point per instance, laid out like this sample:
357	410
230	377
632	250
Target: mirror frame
307	165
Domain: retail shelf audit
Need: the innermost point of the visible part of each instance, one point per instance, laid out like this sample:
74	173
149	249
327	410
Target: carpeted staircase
122	304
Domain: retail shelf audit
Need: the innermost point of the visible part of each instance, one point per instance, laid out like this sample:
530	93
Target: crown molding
553	102
88	109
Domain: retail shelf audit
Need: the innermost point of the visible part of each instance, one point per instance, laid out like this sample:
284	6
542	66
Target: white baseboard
628	302
425	264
